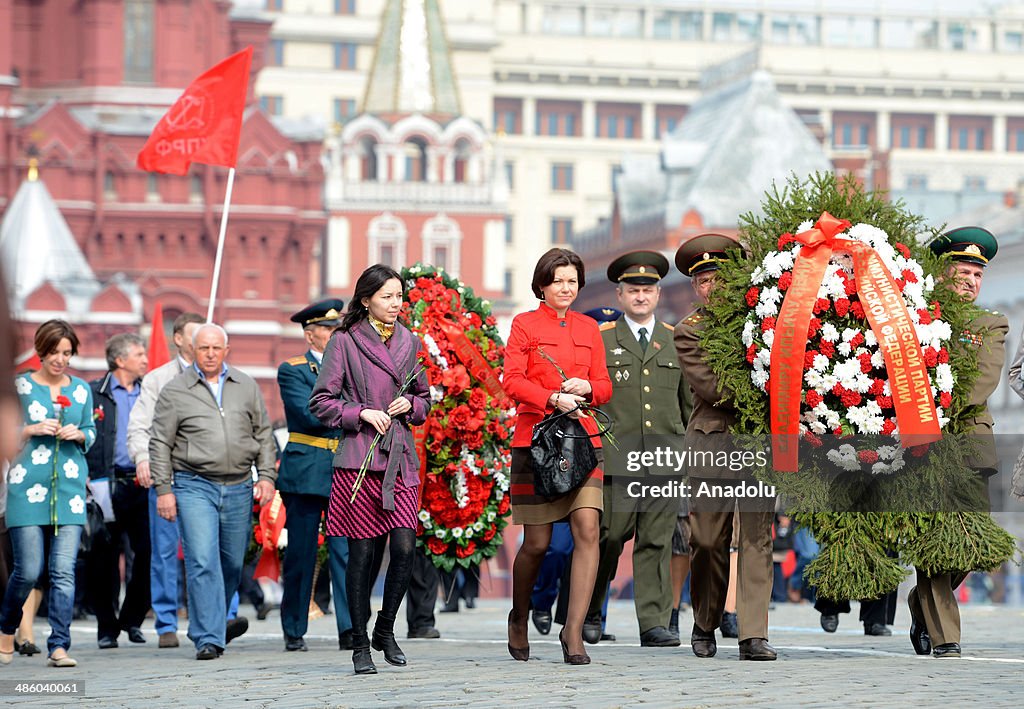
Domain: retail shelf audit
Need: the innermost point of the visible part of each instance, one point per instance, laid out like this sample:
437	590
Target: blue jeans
216	521
28	544
163	568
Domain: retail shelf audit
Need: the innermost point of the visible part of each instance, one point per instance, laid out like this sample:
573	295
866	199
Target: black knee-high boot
357	586
396	583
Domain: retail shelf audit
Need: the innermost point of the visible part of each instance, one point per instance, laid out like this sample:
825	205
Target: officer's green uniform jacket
987	334
305	469
650	399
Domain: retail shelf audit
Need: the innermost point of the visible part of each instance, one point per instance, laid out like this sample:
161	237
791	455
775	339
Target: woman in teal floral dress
46	488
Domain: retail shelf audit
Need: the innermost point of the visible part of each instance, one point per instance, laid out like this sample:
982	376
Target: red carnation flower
857	309
436	546
821	305
812	327
931	357
809	356
785	281
504	505
838	389
901	284
919	451
63	402
865	362
868	457
489	534
842	307
876	387
926	317
751	353
857	340
785	240
827	348
812	440
837	431
902	248
937	310
850	286
945	399
768	324
851	398
752	296
943	356
884	402
813	398
466	551
888	426
909	276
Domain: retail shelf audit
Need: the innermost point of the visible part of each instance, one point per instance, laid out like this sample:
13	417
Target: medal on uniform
618	351
618	375
625	375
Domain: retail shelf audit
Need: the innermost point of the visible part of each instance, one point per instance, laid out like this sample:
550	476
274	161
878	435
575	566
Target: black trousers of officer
103	575
877	611
422	594
302	520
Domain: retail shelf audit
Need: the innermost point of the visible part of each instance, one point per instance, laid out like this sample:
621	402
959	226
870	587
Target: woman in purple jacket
368	360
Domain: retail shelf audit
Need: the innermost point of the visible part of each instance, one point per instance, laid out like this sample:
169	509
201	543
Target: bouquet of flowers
874	329
464	444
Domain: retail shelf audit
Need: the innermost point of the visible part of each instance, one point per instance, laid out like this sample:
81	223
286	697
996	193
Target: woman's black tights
364	556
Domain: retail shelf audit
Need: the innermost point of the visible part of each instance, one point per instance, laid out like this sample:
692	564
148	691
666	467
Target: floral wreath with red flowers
467	435
846	387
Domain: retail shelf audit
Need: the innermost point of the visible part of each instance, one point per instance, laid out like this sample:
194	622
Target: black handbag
562	452
95	529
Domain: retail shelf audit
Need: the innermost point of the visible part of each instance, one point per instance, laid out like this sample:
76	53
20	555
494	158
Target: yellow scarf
384	330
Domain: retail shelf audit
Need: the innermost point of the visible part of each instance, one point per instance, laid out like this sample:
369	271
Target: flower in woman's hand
531	345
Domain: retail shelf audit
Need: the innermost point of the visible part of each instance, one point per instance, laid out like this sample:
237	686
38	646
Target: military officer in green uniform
649	405
711	519
935	617
304	480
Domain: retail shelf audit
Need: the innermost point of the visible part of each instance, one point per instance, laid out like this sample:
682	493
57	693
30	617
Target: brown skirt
530	508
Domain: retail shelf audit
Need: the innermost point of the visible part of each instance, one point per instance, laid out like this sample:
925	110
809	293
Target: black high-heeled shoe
583	659
384	641
518	653
362	661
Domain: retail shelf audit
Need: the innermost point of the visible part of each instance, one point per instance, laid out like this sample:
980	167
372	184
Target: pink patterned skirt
366	517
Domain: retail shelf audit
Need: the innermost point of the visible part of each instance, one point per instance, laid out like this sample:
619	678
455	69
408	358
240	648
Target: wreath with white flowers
464	503
846	386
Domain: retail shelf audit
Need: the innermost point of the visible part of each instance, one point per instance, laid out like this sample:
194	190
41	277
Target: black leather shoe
592	628
829	622
264	610
294	644
877	629
135	635
384	641
428	633
730	626
27	649
703	642
607	638
673	623
658	636
757	649
947	650
235	628
107	643
345	640
541	621
207	652
918	630
362	661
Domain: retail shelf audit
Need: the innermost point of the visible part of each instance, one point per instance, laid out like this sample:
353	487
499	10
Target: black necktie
643	338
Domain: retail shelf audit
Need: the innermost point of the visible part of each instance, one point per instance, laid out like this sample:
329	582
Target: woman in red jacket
541	339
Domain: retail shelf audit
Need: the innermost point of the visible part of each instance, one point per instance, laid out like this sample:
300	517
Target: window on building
510	174
195	189
561	177
961	36
561	230
614	22
441	238
962	142
616	120
721	26
974	183
558	117
1019	146
344	109
508	116
666	118
862	133
152	187
509	235
415	151
917	183
616	171
908	33
564	20
612	123
344	55
109	186
979	139
272	105
904	141
849	31
275	5
675	24
275	52
386	254
922	137
748	26
344	7
387	236
508	282
138	41
1013	42
439	256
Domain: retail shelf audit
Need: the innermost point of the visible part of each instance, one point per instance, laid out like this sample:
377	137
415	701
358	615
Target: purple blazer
361	372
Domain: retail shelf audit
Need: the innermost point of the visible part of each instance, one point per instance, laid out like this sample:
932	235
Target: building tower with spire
411	178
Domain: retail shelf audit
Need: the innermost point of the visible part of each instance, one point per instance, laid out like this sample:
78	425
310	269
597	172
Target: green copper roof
412	70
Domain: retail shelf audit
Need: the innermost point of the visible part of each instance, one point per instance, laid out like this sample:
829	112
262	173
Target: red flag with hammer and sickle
205	123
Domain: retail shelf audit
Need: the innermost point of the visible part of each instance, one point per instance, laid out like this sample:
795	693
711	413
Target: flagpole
220	244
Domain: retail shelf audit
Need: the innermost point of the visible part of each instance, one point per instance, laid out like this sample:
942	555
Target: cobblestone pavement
470	667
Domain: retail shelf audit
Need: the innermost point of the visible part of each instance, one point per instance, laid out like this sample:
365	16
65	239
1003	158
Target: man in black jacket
112	477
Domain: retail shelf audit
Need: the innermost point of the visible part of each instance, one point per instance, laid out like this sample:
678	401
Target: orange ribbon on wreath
272	518
889	319
478	367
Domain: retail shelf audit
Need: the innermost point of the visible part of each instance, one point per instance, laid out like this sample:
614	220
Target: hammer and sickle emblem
187	113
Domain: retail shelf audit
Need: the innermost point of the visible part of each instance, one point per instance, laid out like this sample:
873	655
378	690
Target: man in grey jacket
210	428
163	535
